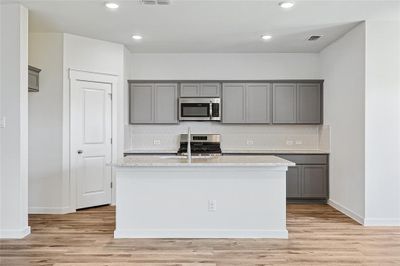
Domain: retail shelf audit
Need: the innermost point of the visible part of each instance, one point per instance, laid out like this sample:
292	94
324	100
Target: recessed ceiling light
286	4
111	5
137	37
266	37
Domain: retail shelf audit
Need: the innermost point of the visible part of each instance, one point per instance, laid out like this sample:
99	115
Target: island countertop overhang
214	161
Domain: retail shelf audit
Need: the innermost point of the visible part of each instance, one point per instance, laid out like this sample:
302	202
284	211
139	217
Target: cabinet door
141	103
233	102
284	103
315	181
258	103
190	90
293	182
165	103
309	103
210	89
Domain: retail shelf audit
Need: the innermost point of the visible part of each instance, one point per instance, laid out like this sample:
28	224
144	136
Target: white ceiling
209	26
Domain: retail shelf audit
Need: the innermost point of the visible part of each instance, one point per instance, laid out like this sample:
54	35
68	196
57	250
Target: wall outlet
156	142
212	205
299	142
289	142
250	142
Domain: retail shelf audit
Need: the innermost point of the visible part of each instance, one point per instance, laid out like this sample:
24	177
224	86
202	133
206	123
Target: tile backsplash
233	137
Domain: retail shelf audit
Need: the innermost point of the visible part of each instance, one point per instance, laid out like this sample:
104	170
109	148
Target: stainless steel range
201	144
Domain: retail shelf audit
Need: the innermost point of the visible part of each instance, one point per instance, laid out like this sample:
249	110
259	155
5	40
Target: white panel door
91	142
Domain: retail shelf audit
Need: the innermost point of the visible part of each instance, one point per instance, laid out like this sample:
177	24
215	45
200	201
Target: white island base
210	198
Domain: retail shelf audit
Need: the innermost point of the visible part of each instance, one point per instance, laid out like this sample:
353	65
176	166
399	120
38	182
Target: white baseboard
356	217
49	210
201	233
381	222
15	233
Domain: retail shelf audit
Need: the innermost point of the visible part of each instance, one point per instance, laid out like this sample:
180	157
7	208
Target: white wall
93	55
382	123
225	66
219	67
14	136
55	54
45	125
127	71
343	69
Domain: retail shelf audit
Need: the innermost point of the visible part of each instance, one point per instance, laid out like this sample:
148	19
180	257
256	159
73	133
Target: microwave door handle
211	112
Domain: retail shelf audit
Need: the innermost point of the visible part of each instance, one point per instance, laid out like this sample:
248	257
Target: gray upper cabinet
190	90
141	103
246	103
233	102
210	90
284	103
308	103
206	89
165	103
151	103
297	103
258	98
251	102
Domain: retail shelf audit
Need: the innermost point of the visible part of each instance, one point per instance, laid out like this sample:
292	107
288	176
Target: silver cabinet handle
80	151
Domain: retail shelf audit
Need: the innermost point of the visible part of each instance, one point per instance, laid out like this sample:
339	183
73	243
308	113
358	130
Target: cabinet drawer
305	159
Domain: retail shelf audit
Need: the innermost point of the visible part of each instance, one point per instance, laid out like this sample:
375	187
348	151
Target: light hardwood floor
318	235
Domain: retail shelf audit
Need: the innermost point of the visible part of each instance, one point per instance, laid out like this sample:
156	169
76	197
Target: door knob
80	151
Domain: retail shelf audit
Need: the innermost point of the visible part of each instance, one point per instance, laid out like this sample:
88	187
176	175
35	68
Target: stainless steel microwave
199	109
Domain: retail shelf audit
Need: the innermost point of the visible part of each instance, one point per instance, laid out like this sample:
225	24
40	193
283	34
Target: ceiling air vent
155	2
314	37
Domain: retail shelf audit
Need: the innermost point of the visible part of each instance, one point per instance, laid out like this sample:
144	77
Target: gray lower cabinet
246	103
153	103
308	180
297	103
293	182
314	181
200	89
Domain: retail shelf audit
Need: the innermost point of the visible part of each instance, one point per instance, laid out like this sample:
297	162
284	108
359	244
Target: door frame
74	76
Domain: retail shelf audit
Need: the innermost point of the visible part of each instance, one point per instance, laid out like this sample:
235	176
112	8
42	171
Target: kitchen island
211	197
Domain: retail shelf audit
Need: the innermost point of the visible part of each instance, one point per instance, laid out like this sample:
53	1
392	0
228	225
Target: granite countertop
238	161
151	151
230	151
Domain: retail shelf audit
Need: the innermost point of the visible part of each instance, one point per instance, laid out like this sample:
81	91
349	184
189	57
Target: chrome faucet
189	148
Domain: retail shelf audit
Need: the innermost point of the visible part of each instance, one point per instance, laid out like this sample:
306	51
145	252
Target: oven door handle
211	111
